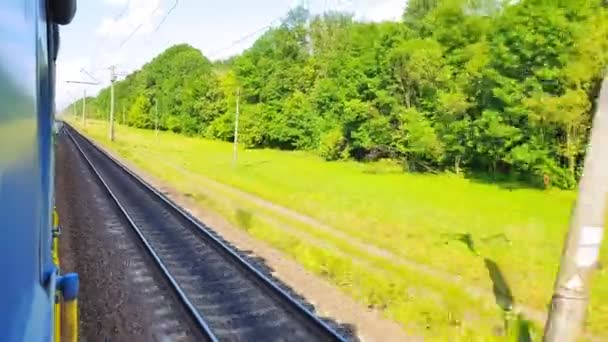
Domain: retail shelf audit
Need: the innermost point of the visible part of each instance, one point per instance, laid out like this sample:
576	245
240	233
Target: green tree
491	86
417	141
454	126
418	67
139	113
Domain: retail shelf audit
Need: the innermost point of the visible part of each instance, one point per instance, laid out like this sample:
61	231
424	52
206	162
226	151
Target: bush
221	128
331	146
551	175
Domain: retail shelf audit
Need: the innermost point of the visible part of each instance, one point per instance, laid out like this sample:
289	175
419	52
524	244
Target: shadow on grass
515	325
505	181
465	238
500	236
502	291
468	240
253	164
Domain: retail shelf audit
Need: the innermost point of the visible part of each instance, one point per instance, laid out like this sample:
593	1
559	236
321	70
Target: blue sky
93	40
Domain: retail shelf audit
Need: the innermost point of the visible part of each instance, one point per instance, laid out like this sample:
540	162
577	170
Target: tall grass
446	223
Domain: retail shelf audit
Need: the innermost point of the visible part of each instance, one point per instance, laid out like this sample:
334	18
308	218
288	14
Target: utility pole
236	128
581	251
112	80
84	106
84	98
156	118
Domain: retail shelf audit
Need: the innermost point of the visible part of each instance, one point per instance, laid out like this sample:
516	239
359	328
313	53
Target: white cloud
382	10
343	5
365	10
114	57
116	2
141	15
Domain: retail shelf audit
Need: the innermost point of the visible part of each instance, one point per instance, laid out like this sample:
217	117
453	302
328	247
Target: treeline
478	86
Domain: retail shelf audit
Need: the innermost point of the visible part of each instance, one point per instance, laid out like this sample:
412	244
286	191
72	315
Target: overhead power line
135	30
143	22
83	82
89	74
239	41
117	17
124	11
166	15
305	4
150	41
245	38
84	96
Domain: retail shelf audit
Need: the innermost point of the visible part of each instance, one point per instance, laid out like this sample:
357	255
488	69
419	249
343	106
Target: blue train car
31	281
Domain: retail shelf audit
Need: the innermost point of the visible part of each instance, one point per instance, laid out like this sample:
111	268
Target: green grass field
430	250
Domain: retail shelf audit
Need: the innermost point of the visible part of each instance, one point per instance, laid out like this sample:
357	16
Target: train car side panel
27	282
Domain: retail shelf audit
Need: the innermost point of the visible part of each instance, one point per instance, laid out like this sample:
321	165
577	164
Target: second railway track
229	298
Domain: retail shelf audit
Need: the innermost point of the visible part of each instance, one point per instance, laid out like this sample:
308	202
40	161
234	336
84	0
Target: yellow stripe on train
66	310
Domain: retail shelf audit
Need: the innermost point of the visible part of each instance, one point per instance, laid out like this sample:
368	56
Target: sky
129	33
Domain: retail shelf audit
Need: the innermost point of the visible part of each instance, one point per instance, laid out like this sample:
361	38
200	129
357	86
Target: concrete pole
84	107
156	118
236	128
112	79
112	111
580	256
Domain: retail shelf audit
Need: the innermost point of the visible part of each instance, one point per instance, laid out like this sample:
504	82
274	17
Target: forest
504	89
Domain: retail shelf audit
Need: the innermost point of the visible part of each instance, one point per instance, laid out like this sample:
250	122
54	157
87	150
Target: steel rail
228	253
204	327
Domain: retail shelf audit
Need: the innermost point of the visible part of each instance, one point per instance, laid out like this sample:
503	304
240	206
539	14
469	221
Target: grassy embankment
491	239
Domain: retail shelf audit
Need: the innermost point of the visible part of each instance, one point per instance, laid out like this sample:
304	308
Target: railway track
227	297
